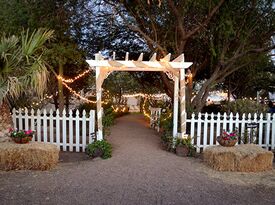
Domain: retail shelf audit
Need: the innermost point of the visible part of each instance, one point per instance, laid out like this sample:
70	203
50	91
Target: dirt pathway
138	173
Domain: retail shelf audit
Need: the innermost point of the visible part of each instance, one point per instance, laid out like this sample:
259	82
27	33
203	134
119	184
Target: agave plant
22	69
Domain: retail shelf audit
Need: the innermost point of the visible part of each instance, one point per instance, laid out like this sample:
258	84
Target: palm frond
34	41
22	66
9	53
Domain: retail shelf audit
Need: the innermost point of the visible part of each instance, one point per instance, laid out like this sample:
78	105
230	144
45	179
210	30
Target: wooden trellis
174	69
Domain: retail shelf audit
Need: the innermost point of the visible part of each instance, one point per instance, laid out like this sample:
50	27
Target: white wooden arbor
175	70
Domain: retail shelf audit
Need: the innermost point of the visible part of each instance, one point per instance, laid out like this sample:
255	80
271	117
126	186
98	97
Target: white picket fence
70	132
204	128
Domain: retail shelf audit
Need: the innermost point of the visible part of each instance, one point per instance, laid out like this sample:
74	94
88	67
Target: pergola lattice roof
153	64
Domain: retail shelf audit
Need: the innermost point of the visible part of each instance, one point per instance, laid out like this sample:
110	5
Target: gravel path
138	173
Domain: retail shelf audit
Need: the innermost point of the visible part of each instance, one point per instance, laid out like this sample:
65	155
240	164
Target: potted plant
184	146
21	136
228	139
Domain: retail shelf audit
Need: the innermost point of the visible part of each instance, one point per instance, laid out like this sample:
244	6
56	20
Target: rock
241	158
34	155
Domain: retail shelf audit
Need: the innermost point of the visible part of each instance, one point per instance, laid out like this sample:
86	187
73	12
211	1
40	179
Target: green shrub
108	120
166	122
100	148
244	106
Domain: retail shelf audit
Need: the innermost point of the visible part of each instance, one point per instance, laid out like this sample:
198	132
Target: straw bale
241	158
34	155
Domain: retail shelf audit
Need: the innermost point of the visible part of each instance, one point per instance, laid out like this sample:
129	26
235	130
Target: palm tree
22	68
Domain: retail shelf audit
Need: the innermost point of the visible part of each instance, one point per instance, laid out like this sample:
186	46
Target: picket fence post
38	125
84	130
77	131
199	133
51	126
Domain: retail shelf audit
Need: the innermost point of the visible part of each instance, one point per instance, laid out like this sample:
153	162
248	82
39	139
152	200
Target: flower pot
226	143
182	151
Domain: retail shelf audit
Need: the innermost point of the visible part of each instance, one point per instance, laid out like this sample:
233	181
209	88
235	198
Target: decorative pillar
98	100
176	107
182	103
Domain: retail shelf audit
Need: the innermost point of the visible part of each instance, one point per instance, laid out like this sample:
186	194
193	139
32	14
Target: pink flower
28	132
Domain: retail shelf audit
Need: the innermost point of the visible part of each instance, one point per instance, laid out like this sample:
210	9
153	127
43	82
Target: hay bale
34	155
241	158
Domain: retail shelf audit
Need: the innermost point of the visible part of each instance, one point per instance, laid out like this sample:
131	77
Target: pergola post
182	103
98	99
176	107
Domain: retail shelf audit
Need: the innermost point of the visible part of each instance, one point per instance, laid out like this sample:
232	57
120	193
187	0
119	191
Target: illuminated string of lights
170	115
145	95
71	80
118	109
45	98
144	110
80	96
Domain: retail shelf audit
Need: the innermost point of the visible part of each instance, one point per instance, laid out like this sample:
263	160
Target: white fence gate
204	128
71	132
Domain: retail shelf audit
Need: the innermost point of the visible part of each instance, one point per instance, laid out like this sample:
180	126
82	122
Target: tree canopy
222	38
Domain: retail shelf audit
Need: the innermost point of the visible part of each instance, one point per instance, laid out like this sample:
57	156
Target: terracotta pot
182	151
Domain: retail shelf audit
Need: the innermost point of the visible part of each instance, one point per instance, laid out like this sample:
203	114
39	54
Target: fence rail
70	131
204	128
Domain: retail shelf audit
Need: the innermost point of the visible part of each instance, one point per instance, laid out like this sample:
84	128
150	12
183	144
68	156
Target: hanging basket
23	140
226	143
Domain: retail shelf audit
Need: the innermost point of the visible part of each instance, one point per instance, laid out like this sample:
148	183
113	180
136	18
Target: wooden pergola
174	69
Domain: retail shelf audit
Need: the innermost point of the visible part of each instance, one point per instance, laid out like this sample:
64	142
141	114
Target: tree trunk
60	89
168	86
5	122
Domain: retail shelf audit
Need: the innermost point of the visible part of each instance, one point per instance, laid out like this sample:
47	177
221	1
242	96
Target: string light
38	103
170	115
81	97
144	110
144	95
119	109
71	80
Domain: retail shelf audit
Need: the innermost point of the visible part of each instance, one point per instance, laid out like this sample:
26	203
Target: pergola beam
131	65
